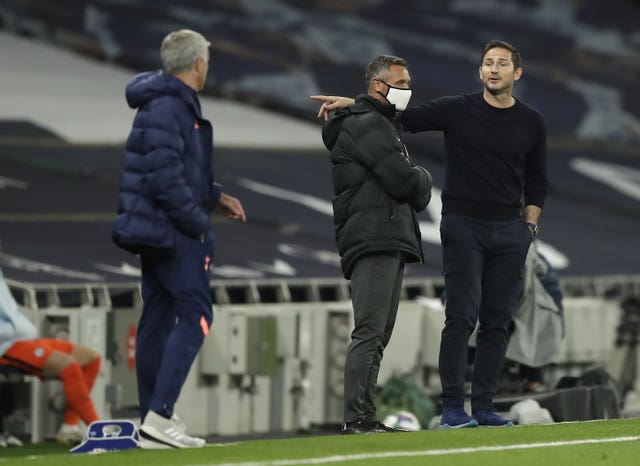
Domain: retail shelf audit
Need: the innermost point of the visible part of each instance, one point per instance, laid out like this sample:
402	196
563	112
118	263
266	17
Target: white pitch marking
451	451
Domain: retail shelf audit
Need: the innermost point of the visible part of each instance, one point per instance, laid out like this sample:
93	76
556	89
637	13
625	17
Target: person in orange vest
50	358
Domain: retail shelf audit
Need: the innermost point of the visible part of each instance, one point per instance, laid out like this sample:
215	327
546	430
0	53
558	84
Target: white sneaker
165	431
179	424
147	444
182	426
69	434
11	440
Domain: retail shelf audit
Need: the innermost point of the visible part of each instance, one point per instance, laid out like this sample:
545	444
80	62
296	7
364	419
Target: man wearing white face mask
378	191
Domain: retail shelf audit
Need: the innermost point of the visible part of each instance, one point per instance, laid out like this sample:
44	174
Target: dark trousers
483	267
376	283
176	315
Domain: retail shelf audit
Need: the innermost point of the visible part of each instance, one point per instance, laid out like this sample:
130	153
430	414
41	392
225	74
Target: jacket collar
187	93
388	110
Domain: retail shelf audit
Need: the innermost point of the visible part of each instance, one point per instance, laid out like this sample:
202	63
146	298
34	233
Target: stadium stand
577	55
580	71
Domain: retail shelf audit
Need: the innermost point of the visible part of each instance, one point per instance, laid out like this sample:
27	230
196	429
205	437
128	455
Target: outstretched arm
330	103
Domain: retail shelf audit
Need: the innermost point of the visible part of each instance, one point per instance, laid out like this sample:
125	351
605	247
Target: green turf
406	449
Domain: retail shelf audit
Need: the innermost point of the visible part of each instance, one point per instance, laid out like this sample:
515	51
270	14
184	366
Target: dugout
274	360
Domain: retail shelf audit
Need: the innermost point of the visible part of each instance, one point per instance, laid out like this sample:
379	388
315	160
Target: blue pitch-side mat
109	435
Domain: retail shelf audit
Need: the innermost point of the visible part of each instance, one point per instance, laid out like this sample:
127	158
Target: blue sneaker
489	418
455	417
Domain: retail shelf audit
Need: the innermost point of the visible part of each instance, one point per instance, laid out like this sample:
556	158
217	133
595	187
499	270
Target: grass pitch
612	442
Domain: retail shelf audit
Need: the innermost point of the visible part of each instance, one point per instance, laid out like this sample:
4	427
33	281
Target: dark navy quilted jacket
167	192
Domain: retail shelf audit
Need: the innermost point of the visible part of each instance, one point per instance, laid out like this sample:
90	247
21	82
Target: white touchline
450	451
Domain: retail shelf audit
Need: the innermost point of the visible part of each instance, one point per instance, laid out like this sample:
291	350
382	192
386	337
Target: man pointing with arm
495	157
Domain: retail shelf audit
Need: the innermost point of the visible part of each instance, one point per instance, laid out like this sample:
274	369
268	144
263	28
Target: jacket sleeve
380	150
549	279
216	191
14	325
165	181
420	202
535	177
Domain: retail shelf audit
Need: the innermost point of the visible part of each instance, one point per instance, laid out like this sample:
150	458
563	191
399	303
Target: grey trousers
376	282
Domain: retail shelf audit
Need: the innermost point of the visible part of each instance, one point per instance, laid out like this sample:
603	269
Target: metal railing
268	291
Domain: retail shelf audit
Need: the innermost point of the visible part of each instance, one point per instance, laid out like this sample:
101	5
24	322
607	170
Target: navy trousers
483	267
176	316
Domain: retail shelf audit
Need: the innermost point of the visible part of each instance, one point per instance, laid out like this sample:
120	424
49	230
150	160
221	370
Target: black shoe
384	428
361	426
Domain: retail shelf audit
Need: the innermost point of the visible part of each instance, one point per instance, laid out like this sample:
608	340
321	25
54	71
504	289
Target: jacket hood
364	103
153	84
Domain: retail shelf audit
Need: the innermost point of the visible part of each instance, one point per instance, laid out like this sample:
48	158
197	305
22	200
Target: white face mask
398	97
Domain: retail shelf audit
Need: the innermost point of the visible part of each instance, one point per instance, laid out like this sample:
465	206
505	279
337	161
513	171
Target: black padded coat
377	188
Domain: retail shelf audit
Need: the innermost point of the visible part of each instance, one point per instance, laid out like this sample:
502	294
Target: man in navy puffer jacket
167	195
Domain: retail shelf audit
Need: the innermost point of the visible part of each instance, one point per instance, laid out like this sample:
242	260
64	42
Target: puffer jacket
376	186
14	325
167	191
538	318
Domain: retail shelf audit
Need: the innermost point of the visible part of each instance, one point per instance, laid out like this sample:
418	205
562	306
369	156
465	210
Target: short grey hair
180	49
378	67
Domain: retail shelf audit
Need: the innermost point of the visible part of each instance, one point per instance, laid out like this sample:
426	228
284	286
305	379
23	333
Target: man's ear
518	74
198	63
377	85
